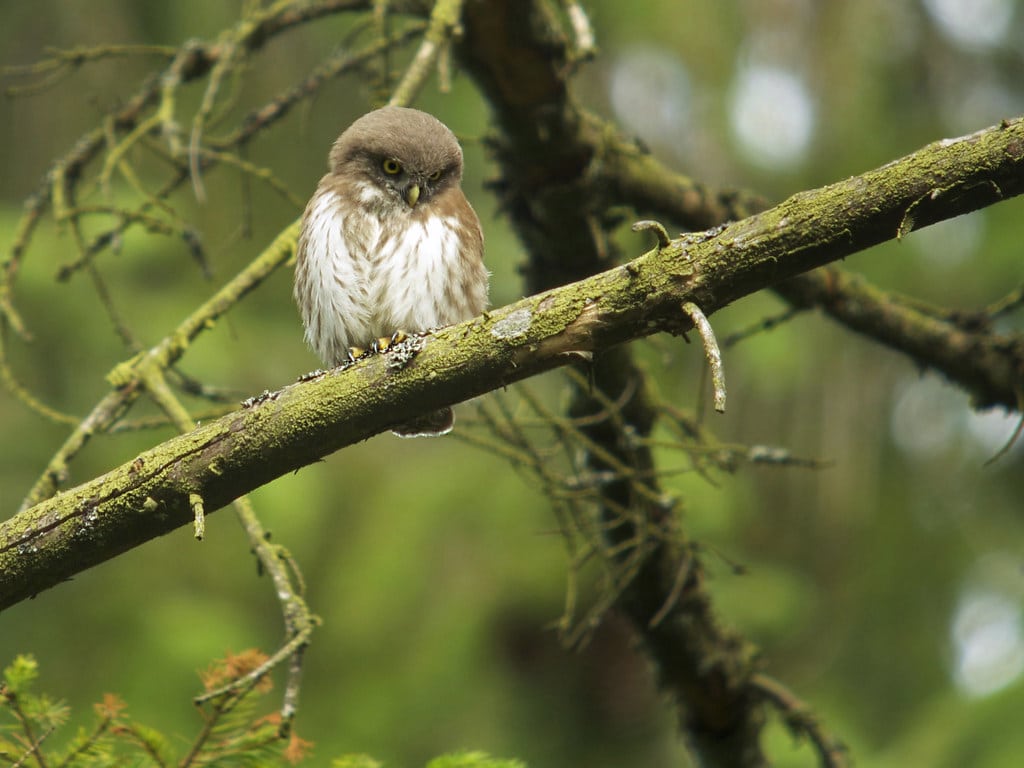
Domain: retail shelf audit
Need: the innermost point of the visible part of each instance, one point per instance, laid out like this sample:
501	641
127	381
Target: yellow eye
434	176
391	167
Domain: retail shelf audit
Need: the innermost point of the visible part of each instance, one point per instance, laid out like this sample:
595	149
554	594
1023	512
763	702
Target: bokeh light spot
988	642
926	418
772	116
651	94
972	23
950	243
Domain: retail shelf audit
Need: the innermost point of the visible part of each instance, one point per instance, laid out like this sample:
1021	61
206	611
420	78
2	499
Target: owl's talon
356	353
384	343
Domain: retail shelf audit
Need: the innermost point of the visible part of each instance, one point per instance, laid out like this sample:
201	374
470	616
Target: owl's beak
412	194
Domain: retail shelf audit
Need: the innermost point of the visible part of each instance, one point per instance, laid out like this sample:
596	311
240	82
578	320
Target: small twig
583	34
22	393
223	66
1016	432
800	720
261	173
444	24
1007	304
774	454
610	408
678	584
299	621
240	684
647	225
290	703
764	324
196	502
711	351
64	63
33	749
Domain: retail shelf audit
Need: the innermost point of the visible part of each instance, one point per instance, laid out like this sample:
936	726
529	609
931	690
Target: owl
389	243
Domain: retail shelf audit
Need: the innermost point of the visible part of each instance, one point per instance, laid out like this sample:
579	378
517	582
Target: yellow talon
385	343
356	352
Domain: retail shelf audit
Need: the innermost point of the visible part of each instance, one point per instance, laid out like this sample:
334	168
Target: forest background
884	588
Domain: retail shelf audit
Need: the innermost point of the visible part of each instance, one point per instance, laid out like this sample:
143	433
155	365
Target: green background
885	590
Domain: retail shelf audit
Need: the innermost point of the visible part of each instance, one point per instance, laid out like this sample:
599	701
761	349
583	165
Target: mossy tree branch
964	348
298	425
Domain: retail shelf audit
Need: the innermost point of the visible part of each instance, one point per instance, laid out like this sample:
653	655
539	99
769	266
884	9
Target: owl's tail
433	424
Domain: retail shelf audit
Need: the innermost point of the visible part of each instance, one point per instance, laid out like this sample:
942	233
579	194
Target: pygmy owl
389	243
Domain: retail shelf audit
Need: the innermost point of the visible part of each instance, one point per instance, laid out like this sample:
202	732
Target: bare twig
647	225
444	24
1015	436
711	351
199	527
299	621
584	44
801	721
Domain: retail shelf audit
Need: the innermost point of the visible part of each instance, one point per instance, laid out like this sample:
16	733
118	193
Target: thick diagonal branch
224	459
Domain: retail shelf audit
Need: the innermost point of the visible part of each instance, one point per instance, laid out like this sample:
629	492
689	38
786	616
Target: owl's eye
434	176
391	167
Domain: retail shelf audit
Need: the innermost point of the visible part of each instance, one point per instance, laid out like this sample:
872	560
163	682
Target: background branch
562	171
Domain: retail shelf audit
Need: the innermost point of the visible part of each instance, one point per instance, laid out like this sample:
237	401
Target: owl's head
398	155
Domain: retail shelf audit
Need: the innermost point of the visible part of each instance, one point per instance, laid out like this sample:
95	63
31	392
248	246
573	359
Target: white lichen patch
516	324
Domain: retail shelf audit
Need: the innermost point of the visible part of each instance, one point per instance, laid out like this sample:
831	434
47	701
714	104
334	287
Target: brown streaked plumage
389	242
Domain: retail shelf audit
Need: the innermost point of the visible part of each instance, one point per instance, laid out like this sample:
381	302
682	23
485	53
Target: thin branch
128	376
298	620
584	44
1015	436
711	352
191	62
761	326
986	364
199	515
62	63
801	721
23	393
1007	304
444	24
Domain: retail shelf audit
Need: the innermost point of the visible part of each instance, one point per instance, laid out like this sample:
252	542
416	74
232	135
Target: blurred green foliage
435	568
229	733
